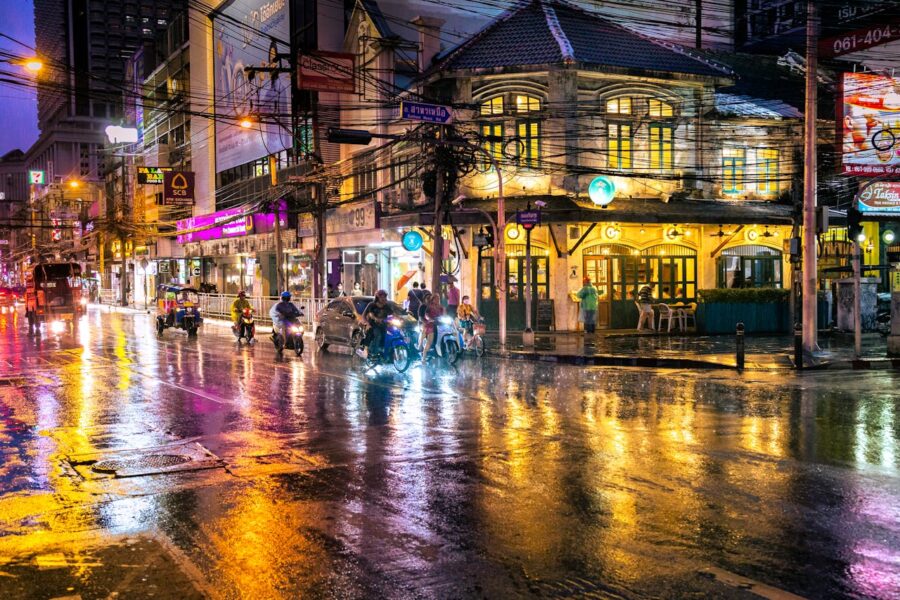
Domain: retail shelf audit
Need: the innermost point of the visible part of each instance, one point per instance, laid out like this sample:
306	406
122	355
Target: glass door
596	268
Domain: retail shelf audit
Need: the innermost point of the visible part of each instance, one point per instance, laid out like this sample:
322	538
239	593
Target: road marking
754	587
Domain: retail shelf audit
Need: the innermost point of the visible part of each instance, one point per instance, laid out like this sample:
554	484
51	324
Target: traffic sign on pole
429	113
528	219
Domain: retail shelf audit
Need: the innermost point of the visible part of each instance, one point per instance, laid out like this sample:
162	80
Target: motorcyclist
284	313
237	308
376	315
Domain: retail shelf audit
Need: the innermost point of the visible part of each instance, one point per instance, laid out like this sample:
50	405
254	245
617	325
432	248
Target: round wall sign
412	241
602	190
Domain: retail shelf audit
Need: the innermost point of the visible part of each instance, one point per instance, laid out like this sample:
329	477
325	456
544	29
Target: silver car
341	322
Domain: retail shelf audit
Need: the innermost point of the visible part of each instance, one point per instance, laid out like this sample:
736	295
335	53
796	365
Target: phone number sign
859	39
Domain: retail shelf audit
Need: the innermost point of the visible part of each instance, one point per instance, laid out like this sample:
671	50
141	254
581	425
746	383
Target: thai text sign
528	219
325	72
178	188
429	113
214	226
880	199
870	124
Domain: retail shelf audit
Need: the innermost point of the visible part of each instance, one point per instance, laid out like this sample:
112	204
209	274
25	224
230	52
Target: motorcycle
292	338
448	342
396	350
246	327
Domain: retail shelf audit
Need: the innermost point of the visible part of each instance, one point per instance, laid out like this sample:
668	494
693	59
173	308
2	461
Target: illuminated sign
412	241
881	198
151	175
870	124
602	190
326	72
36	177
178	188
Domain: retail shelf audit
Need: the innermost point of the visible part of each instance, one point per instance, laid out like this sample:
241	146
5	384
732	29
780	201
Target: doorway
516	285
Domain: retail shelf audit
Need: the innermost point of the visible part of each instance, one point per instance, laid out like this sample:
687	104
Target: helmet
285	295
242	294
381	293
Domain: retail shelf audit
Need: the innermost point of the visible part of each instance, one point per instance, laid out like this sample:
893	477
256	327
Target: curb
606	360
869	364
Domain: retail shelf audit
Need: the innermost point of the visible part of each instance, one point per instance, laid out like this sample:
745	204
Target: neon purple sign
229	223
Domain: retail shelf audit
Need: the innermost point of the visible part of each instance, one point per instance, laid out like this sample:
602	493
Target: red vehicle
7	300
53	293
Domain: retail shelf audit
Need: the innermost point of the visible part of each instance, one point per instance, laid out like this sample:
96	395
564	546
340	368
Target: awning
566	209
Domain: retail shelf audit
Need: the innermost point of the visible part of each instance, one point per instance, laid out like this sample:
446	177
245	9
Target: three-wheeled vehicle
177	307
53	294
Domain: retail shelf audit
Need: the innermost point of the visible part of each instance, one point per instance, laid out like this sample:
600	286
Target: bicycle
476	342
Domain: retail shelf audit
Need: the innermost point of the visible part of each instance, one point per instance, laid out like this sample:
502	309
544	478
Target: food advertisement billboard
249	33
870	125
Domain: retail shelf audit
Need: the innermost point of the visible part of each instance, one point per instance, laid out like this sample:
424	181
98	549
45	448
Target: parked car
341	322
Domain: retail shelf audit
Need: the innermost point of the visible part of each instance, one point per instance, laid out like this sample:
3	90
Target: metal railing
218	306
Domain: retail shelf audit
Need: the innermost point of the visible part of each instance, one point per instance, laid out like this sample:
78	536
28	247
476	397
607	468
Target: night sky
18	105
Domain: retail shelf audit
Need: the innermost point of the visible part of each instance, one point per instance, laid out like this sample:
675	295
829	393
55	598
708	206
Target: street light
246	123
74	184
33	65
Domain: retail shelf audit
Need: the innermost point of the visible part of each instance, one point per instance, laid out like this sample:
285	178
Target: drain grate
149	461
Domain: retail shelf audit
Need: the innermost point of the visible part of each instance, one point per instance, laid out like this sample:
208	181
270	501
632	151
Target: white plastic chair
688	313
672	317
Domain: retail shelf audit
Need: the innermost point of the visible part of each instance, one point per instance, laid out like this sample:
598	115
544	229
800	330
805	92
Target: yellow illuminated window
527	104
661	147
658	108
734	164
493	134
767	163
619	138
529	143
494	106
619	106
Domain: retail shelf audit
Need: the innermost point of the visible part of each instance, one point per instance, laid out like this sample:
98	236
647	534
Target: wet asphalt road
309	479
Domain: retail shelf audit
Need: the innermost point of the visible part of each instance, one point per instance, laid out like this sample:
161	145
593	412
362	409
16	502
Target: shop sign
178	188
306	225
601	191
36	177
352	217
217	225
869	127
881	199
528	219
163	267
151	175
412	241
326	71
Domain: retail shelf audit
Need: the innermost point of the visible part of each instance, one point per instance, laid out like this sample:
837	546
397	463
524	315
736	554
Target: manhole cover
149	461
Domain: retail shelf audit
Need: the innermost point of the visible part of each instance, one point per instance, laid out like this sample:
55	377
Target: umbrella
405	278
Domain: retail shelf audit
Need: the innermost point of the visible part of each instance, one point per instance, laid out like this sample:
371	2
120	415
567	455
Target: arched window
525	131
749	266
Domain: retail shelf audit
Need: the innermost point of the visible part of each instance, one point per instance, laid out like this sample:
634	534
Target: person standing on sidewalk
588	295
415	300
645	303
452	299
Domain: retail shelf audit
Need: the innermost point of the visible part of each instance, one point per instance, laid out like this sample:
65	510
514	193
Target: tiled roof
733	105
541	32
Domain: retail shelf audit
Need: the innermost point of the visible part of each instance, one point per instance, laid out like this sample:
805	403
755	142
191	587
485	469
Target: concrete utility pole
123	277
810	181
437	254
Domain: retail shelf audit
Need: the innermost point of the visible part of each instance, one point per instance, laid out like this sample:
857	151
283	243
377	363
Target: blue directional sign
528	219
429	113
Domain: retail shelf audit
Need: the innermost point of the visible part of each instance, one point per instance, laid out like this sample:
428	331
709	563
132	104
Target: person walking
414	299
588	295
645	304
452	299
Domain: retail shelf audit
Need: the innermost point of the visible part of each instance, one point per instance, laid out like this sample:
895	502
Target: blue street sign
429	113
528	219
412	241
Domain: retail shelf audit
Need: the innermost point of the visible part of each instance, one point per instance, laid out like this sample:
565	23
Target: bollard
798	346
739	346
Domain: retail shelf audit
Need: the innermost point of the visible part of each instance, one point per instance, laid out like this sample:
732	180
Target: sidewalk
692	351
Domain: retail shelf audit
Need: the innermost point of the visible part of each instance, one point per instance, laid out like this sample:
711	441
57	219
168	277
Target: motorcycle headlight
445	320
418	329
396	323
297	329
84	302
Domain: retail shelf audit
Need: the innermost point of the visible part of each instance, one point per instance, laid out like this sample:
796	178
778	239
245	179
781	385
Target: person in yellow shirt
237	307
466	315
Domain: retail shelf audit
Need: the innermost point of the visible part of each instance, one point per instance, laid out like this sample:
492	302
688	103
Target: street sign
178	188
528	219
429	113
412	241
36	177
151	175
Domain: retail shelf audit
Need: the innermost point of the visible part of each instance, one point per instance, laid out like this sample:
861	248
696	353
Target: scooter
292	338
396	351
246	327
447	340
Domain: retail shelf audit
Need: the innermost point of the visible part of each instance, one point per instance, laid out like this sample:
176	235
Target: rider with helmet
283	313
237	308
376	315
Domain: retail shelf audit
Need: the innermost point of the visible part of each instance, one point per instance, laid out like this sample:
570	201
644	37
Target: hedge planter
761	310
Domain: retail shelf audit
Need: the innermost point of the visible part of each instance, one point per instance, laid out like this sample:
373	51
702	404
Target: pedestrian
588	295
415	300
357	289
452	299
645	305
339	292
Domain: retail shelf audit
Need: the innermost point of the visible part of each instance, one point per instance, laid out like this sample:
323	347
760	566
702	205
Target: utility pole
437	255
321	208
123	278
698	13
810	181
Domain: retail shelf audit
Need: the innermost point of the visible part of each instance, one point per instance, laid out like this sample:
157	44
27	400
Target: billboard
880	199
870	124
248	33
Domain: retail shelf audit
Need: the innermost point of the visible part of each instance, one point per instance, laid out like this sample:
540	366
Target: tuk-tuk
53	292
178	307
